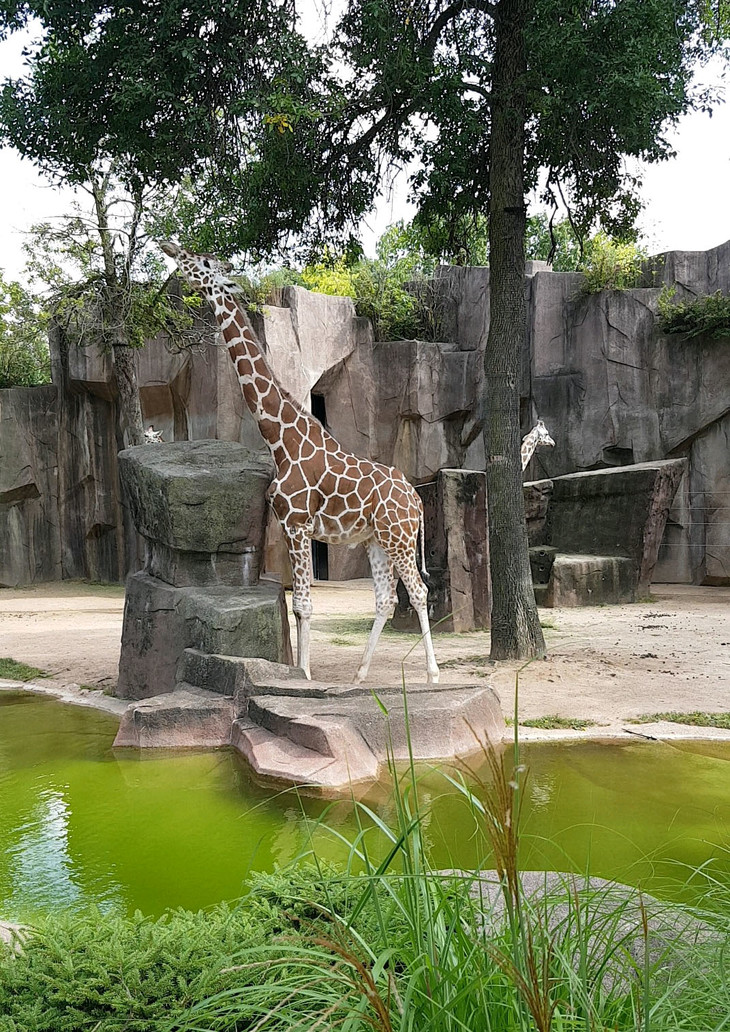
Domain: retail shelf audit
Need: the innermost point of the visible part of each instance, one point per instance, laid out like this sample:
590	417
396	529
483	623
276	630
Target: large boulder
162	620
201	507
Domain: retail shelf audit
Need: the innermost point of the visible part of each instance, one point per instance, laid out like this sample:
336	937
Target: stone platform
200	507
595	535
309	733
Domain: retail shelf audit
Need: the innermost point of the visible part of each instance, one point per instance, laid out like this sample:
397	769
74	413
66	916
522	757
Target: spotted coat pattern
319	491
537	436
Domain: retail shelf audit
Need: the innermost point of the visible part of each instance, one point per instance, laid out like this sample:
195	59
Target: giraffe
537	436
152	436
319	490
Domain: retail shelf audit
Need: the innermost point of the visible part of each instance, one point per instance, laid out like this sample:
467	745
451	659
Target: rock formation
612	389
200	508
457	554
322	736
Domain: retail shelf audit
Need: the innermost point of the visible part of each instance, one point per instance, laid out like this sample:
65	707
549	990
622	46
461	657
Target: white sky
687	199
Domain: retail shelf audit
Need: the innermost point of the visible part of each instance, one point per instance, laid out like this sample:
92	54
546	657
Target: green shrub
611	264
392	296
263	287
24	356
707	315
104	972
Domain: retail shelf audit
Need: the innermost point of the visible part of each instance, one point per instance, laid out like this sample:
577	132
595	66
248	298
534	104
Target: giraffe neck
273	408
529	444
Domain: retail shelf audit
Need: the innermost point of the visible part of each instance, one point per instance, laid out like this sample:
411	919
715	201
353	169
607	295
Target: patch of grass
548	625
554	723
355	627
341	641
647	599
696	719
479	660
15	671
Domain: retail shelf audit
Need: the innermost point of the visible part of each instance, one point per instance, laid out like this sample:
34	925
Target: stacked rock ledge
322	736
200	507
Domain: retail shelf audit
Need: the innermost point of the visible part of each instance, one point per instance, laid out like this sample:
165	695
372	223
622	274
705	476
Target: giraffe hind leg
385	602
418	595
300	555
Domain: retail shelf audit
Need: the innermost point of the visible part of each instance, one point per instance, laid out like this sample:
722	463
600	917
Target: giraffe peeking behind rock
537	437
152	436
319	491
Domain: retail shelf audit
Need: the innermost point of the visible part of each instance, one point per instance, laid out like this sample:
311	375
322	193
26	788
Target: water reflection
542	791
42	868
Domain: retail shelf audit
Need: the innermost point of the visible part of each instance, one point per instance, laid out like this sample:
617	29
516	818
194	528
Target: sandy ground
605	664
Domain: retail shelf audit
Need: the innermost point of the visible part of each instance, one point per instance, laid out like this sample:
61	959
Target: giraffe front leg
385	602
300	555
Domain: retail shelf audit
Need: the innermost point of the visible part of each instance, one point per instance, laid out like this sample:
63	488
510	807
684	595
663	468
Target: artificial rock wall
612	390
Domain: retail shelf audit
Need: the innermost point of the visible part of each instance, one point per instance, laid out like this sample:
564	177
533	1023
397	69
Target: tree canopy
277	137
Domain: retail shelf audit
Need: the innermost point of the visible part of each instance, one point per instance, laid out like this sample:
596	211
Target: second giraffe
319	491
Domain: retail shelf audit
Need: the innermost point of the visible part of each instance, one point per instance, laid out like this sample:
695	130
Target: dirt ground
605	664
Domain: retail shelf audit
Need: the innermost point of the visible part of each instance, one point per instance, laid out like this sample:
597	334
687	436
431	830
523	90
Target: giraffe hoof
433	678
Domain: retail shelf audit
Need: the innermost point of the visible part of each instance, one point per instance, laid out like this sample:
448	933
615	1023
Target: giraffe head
542	436
203	272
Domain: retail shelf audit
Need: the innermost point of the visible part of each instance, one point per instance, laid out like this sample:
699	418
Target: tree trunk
516	631
129	411
130	428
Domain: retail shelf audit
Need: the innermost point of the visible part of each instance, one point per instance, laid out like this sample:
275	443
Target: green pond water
80	823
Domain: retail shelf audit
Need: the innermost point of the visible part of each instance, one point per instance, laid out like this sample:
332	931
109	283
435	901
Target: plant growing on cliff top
391	290
24	358
707	315
611	264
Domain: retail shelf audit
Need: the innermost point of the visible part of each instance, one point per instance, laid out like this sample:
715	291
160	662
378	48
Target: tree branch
451	12
474	87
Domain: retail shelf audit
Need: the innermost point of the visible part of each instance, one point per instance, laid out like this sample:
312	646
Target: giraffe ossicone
537	437
319	490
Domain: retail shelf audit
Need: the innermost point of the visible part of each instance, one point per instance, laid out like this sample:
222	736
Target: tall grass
400	947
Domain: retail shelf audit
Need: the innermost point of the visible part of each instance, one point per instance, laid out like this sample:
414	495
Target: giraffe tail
421	528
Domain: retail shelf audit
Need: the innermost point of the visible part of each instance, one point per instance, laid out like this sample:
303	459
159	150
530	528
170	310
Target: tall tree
516	630
105	286
125	101
487	95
